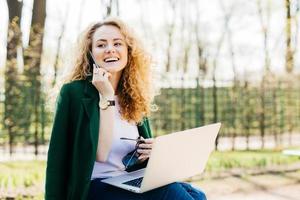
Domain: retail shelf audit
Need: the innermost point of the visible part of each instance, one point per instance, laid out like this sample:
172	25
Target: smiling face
110	49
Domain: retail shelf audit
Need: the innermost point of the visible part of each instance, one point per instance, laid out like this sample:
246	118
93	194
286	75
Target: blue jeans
174	191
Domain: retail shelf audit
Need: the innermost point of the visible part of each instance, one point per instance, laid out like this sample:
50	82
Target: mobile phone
92	58
91	61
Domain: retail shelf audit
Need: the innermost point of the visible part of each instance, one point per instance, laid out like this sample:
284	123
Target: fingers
143	158
145	145
102	82
106	75
144	148
146	141
96	69
95	72
100	73
144	151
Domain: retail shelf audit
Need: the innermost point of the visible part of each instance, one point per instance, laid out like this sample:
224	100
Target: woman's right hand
101	81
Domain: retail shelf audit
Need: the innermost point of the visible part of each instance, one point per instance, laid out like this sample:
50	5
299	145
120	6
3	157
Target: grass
221	161
22	180
25	180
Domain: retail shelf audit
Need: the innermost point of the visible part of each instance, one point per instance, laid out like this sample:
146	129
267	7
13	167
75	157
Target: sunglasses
131	161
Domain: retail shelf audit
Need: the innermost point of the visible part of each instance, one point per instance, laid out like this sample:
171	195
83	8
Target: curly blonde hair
134	88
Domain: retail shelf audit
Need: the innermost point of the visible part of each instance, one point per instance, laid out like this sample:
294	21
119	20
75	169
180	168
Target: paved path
262	187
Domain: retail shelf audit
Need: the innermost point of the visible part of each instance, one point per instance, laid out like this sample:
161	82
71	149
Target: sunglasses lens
130	159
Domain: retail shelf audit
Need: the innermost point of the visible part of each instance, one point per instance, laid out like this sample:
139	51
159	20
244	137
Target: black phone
92	61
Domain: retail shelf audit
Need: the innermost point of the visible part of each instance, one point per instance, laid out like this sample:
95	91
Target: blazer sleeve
145	129
57	163
147	124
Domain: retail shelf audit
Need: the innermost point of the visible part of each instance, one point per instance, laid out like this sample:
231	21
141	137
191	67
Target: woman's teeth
111	59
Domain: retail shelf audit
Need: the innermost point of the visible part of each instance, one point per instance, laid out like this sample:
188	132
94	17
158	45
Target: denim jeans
174	191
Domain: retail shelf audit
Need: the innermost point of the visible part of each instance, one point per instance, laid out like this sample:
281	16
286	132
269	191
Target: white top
114	166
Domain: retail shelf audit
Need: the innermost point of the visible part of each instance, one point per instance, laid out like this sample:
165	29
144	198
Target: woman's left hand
145	148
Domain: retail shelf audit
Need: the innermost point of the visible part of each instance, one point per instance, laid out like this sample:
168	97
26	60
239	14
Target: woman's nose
110	49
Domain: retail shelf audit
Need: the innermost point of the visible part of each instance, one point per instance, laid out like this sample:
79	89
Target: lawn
220	161
25	180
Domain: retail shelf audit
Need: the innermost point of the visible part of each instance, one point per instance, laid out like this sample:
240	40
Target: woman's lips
111	63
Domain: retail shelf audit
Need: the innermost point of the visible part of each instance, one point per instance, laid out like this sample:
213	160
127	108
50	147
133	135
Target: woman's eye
118	44
101	45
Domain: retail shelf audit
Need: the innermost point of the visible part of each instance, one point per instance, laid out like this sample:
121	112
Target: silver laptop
174	157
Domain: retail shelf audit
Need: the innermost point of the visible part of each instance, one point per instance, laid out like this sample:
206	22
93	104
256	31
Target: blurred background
234	61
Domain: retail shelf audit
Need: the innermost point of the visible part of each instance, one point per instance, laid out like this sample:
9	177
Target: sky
245	28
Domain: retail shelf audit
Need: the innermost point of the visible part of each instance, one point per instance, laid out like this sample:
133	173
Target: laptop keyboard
135	182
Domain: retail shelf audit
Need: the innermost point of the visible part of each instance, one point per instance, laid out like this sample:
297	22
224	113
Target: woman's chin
113	68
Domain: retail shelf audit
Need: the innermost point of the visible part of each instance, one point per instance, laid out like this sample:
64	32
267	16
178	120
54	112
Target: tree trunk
60	39
32	63
12	89
262	114
289	55
110	6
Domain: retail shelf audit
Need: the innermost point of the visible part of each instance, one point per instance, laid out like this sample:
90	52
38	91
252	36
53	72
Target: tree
60	38
289	55
12	89
110	6
32	60
265	30
220	42
233	93
202	68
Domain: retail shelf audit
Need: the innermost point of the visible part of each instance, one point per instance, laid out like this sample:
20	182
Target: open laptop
174	157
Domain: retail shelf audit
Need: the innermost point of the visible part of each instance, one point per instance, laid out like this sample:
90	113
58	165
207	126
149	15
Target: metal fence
246	110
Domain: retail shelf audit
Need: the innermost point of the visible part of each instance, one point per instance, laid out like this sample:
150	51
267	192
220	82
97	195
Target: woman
104	100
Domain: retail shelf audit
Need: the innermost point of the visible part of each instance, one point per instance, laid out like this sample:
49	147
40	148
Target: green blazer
74	140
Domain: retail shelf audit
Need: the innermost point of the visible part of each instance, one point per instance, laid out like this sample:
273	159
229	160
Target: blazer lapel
90	102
